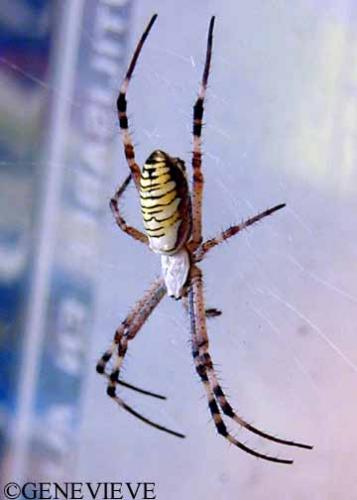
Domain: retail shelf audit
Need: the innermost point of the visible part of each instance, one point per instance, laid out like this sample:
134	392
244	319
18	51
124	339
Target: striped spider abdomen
165	203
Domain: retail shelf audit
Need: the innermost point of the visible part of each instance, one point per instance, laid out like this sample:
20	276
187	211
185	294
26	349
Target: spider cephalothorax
173	228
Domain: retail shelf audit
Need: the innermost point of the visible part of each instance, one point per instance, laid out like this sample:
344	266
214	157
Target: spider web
280	127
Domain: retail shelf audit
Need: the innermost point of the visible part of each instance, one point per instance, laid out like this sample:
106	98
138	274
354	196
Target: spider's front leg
122	108
198	180
126	332
129	150
115	208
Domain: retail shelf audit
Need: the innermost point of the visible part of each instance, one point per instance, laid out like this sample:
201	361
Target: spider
172	220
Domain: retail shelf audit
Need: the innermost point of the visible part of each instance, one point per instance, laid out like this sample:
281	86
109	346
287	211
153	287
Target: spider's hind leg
131	317
100	368
204	366
131	325
126	332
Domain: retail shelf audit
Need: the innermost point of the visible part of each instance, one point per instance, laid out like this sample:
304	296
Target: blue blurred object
25	47
56	100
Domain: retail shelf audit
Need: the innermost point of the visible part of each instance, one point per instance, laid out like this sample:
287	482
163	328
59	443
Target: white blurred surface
281	126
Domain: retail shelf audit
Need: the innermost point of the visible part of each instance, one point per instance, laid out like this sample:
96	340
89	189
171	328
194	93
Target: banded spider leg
126	332
197	175
217	400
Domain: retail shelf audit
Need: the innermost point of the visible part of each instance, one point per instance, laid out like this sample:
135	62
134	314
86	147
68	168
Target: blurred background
281	125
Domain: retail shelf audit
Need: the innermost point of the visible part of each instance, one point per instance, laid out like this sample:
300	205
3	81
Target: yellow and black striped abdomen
165	202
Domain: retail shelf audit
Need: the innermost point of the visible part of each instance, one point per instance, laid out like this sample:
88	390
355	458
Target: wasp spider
173	228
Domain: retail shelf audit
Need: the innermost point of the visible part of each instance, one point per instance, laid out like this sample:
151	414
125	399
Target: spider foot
212	312
231	413
113	379
142	391
111	391
223	431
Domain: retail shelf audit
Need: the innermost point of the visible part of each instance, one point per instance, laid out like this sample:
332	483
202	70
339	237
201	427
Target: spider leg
131	317
122	105
133	412
205	369
139	389
198	180
232	230
211	312
101	370
114	205
126	332
230	412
